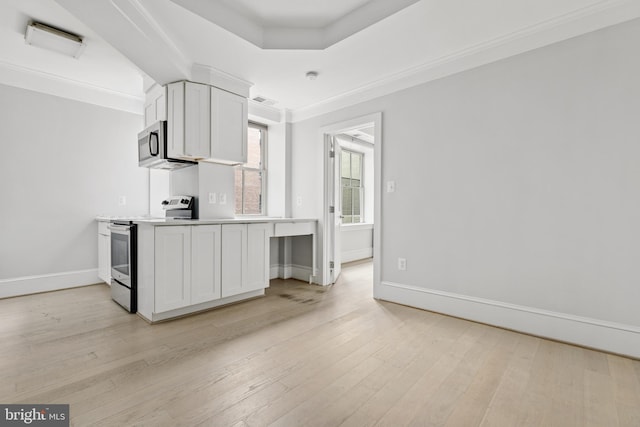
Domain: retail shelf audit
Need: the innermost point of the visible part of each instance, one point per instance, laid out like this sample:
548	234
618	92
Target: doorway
352	186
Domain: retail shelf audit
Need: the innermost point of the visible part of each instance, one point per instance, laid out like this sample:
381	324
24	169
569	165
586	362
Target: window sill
358	226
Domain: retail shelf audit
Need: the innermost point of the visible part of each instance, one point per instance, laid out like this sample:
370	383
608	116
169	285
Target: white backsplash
218	180
198	181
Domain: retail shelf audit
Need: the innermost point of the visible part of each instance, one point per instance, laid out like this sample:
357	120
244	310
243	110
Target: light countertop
164	221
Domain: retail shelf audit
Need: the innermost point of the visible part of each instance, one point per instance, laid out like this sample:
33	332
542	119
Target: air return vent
264	100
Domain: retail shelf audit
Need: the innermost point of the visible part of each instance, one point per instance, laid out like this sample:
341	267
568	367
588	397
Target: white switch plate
122	200
212	198
402	264
222	198
299	201
391	186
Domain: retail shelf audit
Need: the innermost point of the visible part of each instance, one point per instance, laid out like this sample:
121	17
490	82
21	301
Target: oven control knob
165	202
184	201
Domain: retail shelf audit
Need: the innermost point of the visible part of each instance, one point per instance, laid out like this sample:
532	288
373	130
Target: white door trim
325	134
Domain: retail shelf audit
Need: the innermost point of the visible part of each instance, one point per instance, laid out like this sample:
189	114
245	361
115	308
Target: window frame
360	188
264	136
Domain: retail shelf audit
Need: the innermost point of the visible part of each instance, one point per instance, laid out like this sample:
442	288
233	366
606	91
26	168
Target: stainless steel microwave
152	149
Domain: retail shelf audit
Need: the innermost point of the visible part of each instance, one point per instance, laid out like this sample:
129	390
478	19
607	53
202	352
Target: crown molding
40	81
264	113
581	21
206	74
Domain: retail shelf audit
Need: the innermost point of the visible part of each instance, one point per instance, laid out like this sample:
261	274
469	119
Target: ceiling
371	49
294	24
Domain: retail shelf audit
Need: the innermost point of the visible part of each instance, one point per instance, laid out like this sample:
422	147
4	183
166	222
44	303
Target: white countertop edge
241	220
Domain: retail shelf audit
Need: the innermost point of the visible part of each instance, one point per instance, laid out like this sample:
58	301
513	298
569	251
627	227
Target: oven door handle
119	228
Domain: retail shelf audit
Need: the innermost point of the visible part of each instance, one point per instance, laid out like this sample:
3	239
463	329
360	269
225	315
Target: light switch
391	186
223	198
212	198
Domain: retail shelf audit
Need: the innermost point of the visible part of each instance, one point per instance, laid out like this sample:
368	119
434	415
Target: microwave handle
151	135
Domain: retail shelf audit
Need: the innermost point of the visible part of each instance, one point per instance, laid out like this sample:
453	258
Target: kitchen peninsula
186	266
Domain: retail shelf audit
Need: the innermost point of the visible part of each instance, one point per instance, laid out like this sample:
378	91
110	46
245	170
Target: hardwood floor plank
600	407
509	401
301	355
389	404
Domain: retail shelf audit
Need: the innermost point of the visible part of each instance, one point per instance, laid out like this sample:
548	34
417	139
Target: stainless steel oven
123	264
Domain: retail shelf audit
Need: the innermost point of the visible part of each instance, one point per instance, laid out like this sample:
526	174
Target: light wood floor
301	356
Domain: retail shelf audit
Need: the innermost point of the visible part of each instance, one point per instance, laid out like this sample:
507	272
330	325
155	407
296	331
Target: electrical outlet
222	198
402	264
122	200
299	201
212	198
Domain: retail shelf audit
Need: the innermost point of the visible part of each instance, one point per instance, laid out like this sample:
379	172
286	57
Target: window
352	190
251	177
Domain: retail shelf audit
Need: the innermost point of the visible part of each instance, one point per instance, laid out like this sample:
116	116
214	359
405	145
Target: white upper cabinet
229	114
206	123
188	112
155	106
175	120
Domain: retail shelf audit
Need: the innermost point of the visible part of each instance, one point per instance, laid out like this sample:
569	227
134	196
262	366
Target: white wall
220	180
356	241
279	170
517	199
63	162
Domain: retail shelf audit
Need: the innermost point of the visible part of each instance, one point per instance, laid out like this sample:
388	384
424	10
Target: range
124	249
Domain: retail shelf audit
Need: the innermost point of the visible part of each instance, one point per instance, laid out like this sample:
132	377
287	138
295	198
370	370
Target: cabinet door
161	105
205	263
155	106
258	236
149	114
228	126
172	267
175	119
234	259
197	107
104	257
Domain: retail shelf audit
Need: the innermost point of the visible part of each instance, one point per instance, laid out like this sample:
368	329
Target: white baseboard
47	282
290	271
593	333
356	255
274	272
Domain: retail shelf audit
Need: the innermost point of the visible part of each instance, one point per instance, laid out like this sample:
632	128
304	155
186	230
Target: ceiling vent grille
264	100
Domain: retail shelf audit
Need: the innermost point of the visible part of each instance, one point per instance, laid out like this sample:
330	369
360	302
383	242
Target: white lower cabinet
202	263
205	263
245	258
258	262
104	252
172	268
234	259
187	266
